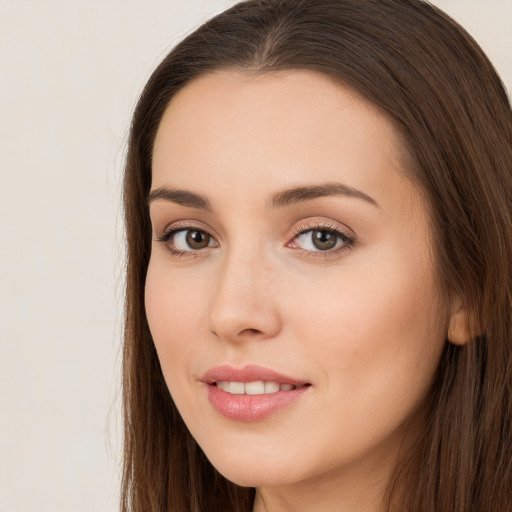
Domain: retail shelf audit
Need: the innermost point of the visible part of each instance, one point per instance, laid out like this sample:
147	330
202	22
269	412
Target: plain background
70	73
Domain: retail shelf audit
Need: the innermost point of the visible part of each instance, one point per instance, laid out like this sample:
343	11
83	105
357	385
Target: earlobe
458	327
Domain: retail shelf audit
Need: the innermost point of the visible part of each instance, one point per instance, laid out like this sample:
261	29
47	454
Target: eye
181	241
321	239
191	239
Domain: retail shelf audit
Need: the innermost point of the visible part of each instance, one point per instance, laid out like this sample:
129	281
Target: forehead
269	131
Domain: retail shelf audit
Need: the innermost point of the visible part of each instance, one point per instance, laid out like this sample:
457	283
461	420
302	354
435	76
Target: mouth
251	393
251	380
257	387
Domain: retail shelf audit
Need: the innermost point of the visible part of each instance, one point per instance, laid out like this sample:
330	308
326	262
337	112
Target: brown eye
187	240
327	240
324	240
197	239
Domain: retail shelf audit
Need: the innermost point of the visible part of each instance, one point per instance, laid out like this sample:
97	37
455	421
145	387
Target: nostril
250	331
232	317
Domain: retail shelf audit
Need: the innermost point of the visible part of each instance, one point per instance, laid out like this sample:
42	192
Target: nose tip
234	320
243	306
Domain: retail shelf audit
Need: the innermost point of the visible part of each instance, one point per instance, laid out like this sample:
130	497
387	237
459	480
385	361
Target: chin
246	471
255	477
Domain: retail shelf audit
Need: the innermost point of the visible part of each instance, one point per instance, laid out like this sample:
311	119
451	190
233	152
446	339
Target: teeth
258	387
255	388
271	387
236	388
222	384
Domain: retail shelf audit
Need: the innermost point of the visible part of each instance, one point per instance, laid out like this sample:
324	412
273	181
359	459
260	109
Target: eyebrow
306	193
181	197
280	199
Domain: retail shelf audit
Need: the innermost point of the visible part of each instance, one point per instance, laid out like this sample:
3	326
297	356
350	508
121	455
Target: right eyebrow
181	197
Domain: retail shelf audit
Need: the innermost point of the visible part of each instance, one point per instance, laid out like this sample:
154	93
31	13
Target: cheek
174	307
374	330
376	343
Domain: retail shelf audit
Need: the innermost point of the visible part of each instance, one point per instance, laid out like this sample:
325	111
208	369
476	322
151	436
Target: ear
458	326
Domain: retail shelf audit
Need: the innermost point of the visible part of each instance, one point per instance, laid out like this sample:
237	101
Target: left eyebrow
306	193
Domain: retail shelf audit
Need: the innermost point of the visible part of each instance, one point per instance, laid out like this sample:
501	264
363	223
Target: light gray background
70	73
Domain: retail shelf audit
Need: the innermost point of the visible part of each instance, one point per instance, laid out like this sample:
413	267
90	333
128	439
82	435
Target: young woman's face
291	292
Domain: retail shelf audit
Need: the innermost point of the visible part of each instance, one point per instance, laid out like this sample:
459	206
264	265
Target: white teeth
255	388
258	387
224	385
271	387
236	388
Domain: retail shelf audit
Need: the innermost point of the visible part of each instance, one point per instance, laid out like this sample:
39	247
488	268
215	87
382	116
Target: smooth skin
338	289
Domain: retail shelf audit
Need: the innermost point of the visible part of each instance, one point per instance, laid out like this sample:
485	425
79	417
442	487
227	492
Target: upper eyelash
301	229
166	235
169	232
175	228
304	228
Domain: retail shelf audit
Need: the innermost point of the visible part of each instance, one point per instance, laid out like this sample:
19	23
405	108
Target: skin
365	325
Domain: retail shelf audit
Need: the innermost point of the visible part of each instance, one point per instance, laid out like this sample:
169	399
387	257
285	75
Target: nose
244	303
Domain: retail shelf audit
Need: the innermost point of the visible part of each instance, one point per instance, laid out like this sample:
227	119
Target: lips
251	393
250	373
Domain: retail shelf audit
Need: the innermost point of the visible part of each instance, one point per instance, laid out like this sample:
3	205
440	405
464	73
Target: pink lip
248	373
250	407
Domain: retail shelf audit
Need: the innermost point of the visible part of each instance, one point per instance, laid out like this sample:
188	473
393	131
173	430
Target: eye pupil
197	239
324	240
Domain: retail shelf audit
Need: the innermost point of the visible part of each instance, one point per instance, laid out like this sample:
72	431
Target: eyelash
174	230
348	241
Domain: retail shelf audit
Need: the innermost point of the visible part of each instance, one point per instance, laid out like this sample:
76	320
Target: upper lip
249	373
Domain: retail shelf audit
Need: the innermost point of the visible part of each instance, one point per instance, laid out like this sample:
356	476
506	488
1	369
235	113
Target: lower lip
252	407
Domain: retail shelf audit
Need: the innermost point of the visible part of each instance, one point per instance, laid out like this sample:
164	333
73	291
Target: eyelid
182	225
305	225
312	225
171	229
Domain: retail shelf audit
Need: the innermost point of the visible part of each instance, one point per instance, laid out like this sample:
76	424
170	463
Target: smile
257	387
251	393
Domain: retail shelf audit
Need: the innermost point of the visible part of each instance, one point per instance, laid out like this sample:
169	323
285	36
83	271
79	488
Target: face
291	292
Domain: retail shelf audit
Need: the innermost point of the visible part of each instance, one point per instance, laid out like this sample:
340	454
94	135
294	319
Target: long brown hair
434	81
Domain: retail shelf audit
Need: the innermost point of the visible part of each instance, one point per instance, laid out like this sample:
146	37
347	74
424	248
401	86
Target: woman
318	205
